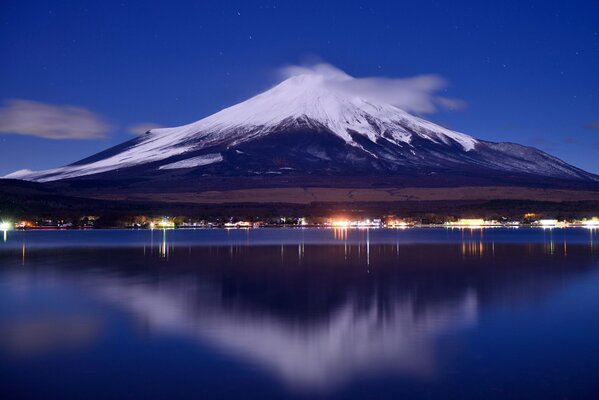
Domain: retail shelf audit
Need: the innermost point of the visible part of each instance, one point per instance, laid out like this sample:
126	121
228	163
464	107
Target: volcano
307	132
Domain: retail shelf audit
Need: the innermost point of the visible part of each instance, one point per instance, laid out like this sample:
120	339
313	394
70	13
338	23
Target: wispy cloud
451	104
593	125
540	141
552	144
50	121
417	94
570	140
142	127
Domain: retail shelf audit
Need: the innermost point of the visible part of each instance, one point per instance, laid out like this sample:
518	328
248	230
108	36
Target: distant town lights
471	222
165	223
340	223
548	222
4	227
592	223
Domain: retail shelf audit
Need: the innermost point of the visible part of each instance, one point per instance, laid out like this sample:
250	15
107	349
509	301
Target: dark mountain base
181	181
19	199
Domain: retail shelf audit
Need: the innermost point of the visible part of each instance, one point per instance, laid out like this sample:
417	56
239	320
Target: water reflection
358	335
317	317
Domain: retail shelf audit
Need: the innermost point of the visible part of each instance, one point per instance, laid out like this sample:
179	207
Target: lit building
472	222
591	223
549	223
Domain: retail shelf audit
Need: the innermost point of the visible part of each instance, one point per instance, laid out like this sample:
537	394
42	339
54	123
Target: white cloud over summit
418	94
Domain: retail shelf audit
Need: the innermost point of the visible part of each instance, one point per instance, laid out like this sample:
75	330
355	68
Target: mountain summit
308	129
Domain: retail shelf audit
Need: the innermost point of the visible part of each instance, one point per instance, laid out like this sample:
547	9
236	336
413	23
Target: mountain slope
305	127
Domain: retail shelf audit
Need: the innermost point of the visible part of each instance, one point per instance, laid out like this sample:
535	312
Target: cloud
540	141
570	140
32	118
593	125
551	143
451	104
417	94
142	127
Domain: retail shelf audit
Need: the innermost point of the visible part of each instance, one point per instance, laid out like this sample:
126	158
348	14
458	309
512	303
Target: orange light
340	223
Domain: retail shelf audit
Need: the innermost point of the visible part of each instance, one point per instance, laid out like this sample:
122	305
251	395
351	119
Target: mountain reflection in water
316	317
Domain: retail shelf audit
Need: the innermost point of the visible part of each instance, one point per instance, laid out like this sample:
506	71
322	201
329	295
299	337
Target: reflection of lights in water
367	247
340	233
300	252
164	248
152	241
475	248
549	242
473	245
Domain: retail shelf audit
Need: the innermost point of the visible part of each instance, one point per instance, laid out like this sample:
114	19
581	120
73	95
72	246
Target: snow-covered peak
322	100
315	100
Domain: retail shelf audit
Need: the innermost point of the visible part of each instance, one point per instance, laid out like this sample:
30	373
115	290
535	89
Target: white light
548	222
591	223
165	223
4	226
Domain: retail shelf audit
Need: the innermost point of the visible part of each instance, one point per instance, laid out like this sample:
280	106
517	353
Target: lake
300	313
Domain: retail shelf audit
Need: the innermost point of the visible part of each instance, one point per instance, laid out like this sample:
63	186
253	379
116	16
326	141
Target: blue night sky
528	72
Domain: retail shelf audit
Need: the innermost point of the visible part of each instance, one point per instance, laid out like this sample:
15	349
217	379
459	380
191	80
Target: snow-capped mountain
304	126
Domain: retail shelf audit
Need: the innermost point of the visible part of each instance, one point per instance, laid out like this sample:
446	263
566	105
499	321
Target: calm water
300	313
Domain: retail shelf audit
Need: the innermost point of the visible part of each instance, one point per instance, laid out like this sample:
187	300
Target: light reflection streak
165	246
474	244
367	247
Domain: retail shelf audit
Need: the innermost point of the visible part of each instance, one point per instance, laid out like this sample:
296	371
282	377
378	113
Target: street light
4	226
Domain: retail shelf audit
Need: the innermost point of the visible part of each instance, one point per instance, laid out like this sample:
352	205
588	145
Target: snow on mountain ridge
312	97
194	161
300	121
308	97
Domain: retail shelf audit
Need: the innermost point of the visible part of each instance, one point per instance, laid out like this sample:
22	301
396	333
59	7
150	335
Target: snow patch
20	174
195	161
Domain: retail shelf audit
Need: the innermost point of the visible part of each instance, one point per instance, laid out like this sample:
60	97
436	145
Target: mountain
306	132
